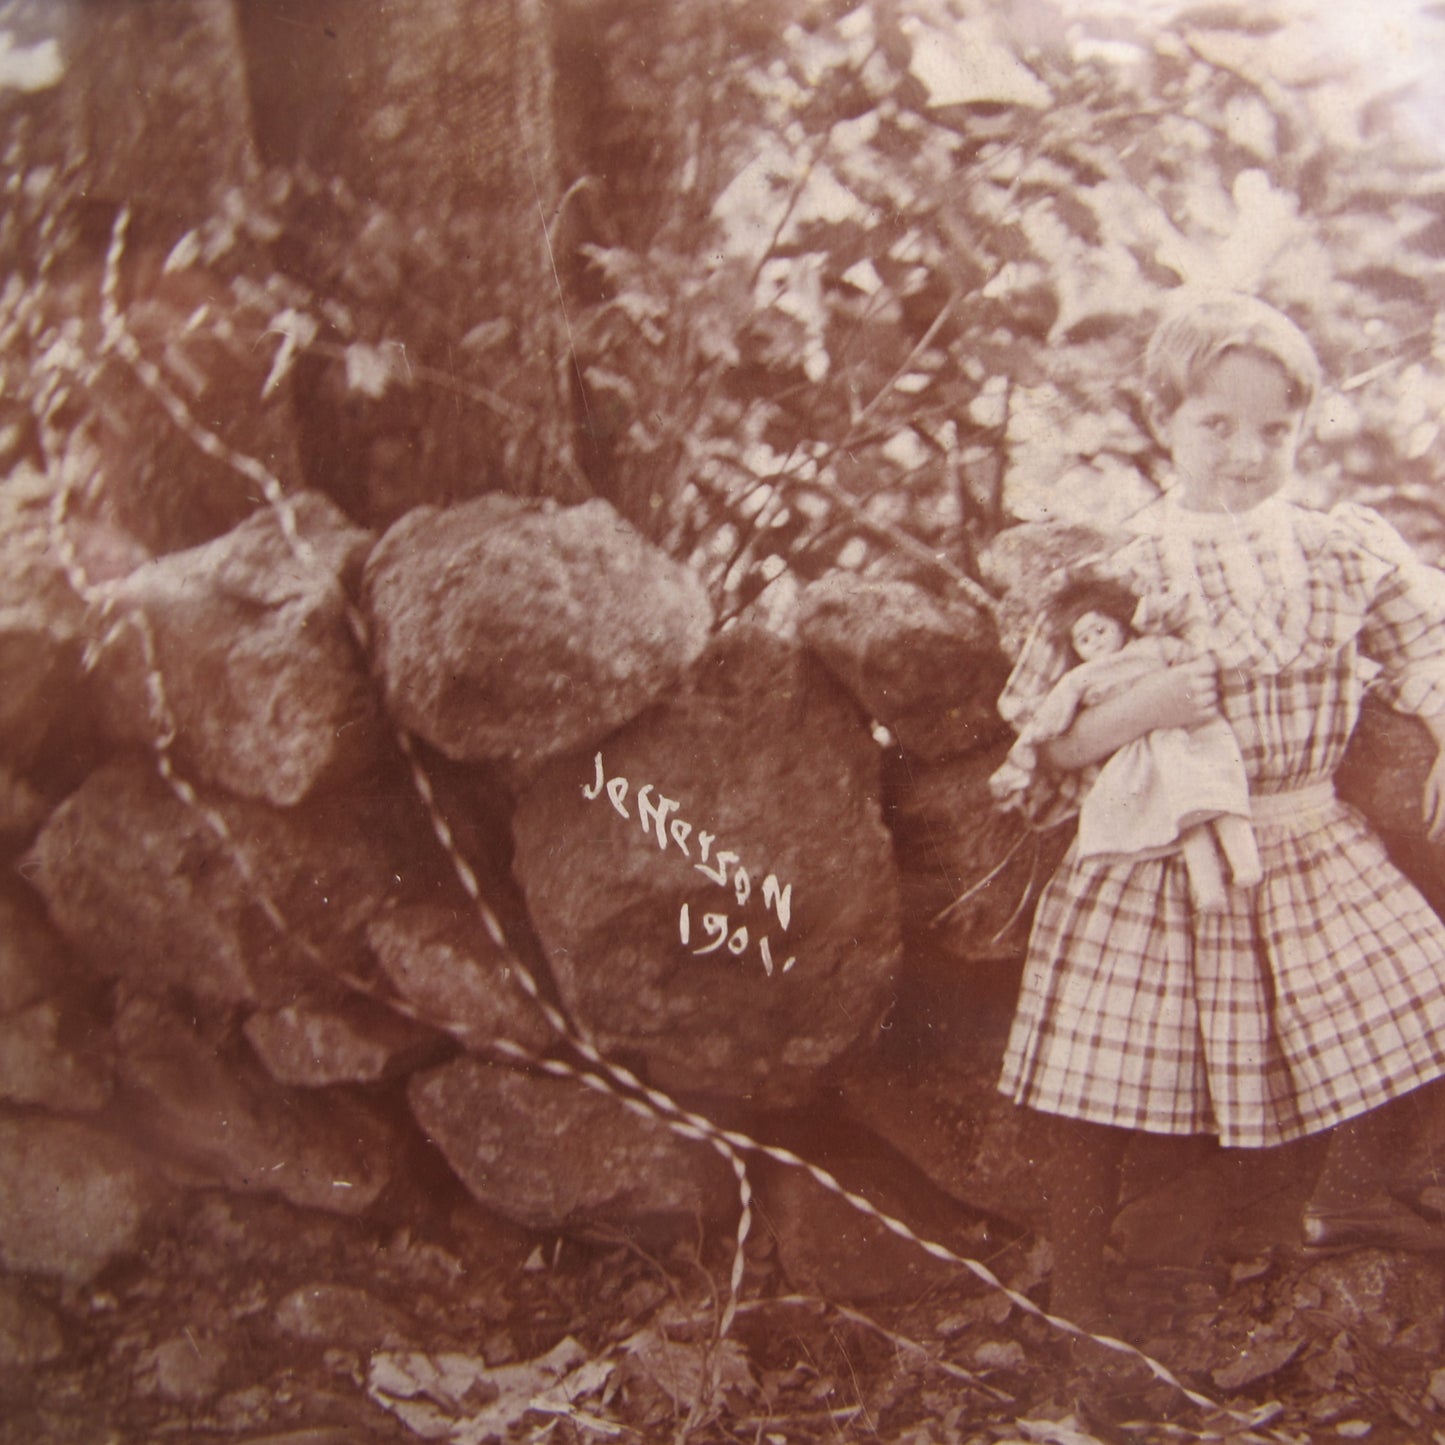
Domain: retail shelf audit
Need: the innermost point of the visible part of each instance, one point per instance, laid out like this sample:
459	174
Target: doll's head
1092	617
1096	634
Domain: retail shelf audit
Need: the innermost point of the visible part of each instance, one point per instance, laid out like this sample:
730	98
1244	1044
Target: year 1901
716	930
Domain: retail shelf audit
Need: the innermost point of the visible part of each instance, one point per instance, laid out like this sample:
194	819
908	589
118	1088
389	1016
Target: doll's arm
1056	714
1185	696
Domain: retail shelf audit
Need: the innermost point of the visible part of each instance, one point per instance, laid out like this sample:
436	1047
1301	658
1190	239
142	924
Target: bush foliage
899	281
860	285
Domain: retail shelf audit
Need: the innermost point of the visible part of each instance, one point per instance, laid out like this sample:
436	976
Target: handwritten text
661	818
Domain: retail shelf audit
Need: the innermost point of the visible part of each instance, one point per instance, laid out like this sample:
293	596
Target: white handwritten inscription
661	817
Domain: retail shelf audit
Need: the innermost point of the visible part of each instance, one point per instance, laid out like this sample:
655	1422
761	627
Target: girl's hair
1200	327
1086	592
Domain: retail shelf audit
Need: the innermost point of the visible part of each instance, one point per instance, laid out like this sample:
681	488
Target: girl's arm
1186	696
1434	808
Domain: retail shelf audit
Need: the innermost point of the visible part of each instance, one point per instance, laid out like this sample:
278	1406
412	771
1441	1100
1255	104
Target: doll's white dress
1143	797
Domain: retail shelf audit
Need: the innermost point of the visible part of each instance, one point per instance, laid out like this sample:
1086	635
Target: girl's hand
1434	803
1186	696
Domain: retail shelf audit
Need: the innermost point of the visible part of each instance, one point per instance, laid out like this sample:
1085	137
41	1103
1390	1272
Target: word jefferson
654	816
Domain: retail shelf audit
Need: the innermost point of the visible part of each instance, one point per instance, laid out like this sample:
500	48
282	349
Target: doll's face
1096	634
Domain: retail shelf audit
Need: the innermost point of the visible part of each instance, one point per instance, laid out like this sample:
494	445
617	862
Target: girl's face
1096	634
1233	439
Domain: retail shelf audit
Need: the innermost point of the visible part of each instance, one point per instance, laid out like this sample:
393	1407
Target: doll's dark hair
1088	592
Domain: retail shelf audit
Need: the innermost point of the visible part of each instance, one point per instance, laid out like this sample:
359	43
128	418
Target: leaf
600	378
691	1375
1067	1431
1259	1360
437	1396
965	65
487	334
1229	17
186	252
371	369
297	331
1252	124
1000	1355
29	67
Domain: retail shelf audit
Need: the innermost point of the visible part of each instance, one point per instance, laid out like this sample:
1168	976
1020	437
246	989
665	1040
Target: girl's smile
1233	440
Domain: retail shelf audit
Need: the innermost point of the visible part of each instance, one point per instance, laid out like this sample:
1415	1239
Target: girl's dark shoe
1378	1224
1425	1196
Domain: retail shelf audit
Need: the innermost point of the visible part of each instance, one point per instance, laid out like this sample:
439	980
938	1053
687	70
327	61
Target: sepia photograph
723	722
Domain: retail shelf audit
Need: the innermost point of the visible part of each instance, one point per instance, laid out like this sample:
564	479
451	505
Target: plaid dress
1318	994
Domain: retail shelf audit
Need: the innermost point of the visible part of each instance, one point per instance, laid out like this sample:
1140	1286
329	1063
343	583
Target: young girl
1317	998
1173	787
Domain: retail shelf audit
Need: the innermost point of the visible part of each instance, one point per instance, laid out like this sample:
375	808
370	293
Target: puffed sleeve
1404	623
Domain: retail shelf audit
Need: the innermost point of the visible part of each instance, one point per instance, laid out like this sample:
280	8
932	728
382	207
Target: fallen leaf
1258	1361
437	1396
1436	1391
1000	1355
690	1373
1067	1431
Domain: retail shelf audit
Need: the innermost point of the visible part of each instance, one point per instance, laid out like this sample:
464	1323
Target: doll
1171	789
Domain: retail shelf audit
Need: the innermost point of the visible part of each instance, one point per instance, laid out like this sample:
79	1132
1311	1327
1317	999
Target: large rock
141	887
830	1248
503	632
723	906
42	620
1384	769
204	1107
928	668
554	1154
32	956
947	1118
266	685
38	1065
316	1042
30	1334
72	1197
1383	774
970	875
1180	1205
1019	563
455	977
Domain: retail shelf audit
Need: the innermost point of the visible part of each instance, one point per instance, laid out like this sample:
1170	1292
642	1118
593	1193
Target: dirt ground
253	1321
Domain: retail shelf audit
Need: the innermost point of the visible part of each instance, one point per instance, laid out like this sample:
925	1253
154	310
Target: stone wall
243	935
